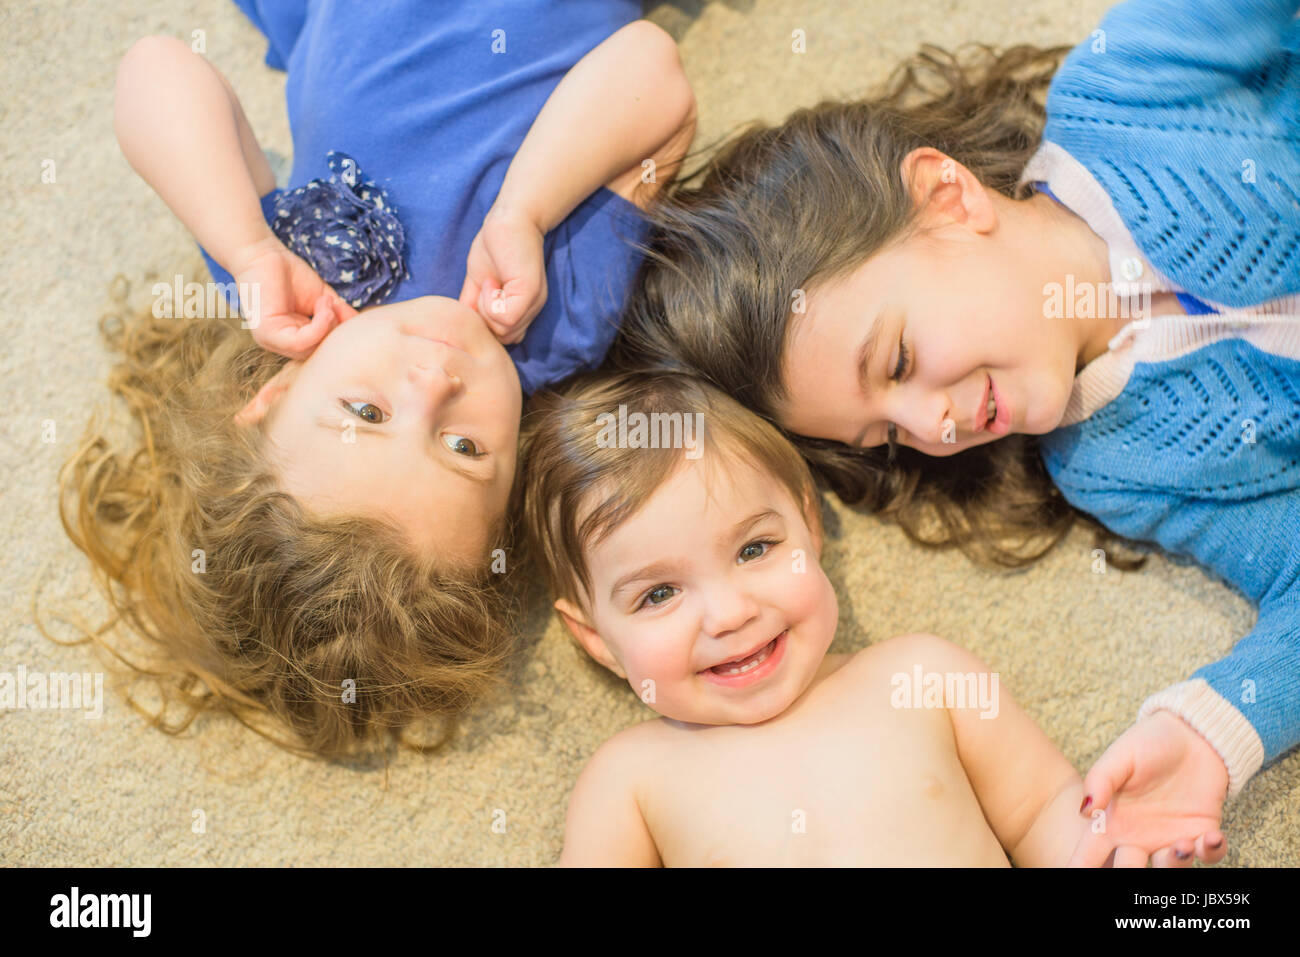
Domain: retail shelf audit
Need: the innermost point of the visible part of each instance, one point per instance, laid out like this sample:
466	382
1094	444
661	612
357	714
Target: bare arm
1029	792
623	103
182	129
604	827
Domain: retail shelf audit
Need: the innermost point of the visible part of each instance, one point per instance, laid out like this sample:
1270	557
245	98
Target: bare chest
890	791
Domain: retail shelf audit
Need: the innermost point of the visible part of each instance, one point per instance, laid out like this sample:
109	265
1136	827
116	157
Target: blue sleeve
226	282
591	263
1261	677
1248	543
281	22
1170	50
1251	545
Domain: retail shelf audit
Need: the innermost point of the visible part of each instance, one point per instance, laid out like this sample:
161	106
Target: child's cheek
798	586
805	599
655	666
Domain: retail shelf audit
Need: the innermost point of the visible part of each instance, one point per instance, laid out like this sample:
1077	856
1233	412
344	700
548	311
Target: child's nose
727	610
928	420
435	384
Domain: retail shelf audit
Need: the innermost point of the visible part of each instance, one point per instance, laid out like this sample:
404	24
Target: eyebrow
867	353
474	475
866	359
662	568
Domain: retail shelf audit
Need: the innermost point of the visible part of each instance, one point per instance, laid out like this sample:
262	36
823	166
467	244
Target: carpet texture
1078	650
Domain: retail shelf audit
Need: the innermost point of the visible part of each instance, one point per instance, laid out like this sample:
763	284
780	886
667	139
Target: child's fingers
343	311
492	302
526	296
500	311
1107	776
1179	854
1211	847
301	341
1126	855
1091	851
469	294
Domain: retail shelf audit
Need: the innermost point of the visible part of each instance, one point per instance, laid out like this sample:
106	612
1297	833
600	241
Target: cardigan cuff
1209	713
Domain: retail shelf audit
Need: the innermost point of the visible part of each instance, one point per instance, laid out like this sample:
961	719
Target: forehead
687	512
820	374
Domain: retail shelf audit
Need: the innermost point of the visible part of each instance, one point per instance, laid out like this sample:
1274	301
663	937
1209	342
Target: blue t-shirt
433	100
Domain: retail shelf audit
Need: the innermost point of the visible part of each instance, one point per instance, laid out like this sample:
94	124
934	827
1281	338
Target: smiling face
913	343
713	592
408	412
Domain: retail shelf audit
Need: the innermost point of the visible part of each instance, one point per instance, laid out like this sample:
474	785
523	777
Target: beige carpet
1079	650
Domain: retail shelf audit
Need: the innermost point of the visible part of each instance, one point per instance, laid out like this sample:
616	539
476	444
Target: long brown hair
782	208
332	630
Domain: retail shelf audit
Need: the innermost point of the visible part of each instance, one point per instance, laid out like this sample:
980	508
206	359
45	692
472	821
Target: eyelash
348	403
476	455
904	360
645	595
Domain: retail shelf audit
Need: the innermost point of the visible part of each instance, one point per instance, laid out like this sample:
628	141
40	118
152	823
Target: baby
682	536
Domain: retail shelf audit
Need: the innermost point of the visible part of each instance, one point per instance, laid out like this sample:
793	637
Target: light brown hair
786	207
577	490
250	604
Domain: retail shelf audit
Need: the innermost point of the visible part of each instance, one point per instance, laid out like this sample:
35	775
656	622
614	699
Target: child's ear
940	186
587	636
268	395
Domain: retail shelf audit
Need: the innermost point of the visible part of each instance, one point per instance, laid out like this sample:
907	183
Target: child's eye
656	596
903	357
754	550
366	410
462	446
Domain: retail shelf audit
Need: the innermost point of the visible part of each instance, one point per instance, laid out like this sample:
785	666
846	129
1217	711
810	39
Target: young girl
319	541
937	271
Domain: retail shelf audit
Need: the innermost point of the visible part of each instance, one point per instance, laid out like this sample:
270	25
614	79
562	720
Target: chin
1051	422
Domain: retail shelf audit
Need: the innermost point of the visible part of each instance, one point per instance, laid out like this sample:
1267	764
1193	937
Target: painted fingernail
1084	806
1181	855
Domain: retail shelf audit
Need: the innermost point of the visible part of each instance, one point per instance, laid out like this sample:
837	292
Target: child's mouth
999	411
751	667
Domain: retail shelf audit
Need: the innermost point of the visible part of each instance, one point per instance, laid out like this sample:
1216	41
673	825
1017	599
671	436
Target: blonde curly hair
333	630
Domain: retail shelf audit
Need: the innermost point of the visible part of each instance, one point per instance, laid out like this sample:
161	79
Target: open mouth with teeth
991	409
750	667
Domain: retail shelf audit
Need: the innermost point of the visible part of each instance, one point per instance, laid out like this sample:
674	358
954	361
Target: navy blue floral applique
345	228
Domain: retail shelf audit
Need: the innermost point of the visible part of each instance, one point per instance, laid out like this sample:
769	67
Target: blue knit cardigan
1188	113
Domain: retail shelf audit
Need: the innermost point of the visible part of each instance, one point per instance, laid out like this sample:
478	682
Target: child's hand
505	275
284	313
1162	787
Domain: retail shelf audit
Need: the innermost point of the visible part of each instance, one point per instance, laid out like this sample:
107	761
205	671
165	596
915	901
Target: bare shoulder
903	652
632	749
604	825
